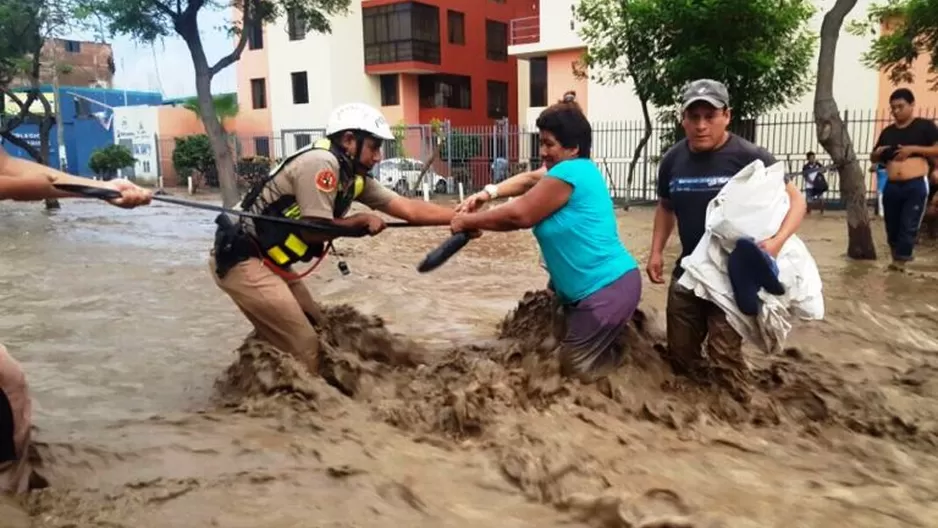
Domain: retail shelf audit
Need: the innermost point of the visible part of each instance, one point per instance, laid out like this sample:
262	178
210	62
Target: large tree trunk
833	136
646	115
224	161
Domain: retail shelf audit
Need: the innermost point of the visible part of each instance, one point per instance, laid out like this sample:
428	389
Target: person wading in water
690	175
571	213
905	148
252	260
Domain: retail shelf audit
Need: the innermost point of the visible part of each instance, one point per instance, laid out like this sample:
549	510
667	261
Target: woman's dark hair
565	120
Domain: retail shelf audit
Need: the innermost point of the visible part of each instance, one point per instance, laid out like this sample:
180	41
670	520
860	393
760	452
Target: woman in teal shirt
573	219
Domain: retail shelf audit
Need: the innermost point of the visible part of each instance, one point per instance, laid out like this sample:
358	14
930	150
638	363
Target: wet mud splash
480	396
468	389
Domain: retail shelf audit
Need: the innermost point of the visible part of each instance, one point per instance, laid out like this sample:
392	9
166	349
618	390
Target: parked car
401	174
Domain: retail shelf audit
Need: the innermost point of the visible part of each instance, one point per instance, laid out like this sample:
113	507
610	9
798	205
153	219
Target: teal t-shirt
580	242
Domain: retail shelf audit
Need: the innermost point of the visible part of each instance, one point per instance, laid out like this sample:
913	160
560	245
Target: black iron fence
475	156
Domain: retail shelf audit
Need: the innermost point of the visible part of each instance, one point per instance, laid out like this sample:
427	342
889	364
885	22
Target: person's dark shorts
595	324
814	194
7	446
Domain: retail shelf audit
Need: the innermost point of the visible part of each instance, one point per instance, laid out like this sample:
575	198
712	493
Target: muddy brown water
153	409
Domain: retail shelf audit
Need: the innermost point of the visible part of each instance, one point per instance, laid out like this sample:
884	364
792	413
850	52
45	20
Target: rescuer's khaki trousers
276	307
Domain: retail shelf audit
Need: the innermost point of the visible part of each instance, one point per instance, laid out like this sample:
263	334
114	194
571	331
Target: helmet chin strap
359	147
355	162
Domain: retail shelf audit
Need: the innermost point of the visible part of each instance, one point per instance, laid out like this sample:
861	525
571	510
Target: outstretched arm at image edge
24	180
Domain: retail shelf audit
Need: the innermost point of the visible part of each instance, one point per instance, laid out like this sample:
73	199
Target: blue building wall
83	135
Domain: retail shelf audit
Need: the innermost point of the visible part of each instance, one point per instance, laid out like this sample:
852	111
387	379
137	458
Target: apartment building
547	45
87	64
418	61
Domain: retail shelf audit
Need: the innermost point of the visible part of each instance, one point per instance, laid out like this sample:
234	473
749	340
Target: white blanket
753	204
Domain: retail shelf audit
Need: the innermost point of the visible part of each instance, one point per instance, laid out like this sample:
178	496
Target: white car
401	174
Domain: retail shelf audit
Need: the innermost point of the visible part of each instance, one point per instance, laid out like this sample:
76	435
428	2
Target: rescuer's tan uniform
253	265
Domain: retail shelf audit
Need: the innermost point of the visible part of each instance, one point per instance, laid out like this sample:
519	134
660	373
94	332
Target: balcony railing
525	30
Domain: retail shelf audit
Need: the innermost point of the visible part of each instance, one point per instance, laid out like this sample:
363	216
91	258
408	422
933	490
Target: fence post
494	142
506	132
158	157
449	146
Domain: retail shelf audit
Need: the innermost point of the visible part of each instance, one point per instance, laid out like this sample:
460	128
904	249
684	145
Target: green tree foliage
151	20
460	147
622	39
761	49
20	36
193	157
226	107
913	33
622	45
253	170
106	161
399	148
25	26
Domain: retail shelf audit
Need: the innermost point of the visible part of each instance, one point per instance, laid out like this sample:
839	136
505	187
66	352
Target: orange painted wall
174	122
407	113
250	122
926	98
560	77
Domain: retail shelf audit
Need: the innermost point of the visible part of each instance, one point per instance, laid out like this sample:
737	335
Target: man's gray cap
712	92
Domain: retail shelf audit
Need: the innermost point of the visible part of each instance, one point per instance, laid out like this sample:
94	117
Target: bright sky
166	66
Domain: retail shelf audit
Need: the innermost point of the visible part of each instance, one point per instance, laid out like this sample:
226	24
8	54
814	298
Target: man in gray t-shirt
691	174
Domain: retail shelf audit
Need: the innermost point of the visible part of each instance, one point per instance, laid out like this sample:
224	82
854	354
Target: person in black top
905	147
815	184
691	174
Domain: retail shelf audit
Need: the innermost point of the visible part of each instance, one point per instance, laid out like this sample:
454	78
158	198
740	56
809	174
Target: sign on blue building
87	118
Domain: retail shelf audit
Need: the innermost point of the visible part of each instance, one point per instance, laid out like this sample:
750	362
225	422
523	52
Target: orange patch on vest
326	181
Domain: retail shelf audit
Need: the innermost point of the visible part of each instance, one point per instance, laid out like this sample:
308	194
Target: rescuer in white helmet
252	259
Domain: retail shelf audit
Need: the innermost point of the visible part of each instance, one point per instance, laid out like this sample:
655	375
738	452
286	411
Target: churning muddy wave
469	392
495	397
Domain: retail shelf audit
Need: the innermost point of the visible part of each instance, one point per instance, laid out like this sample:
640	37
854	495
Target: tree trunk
188	29
646	115
224	161
833	136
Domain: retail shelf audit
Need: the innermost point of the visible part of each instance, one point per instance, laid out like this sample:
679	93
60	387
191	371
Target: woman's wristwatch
492	190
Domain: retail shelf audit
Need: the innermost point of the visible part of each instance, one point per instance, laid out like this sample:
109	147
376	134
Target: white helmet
359	116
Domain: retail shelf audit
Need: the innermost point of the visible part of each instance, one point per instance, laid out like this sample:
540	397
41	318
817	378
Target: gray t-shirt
687	181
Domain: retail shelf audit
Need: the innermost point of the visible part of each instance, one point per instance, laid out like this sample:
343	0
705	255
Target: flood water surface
153	410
